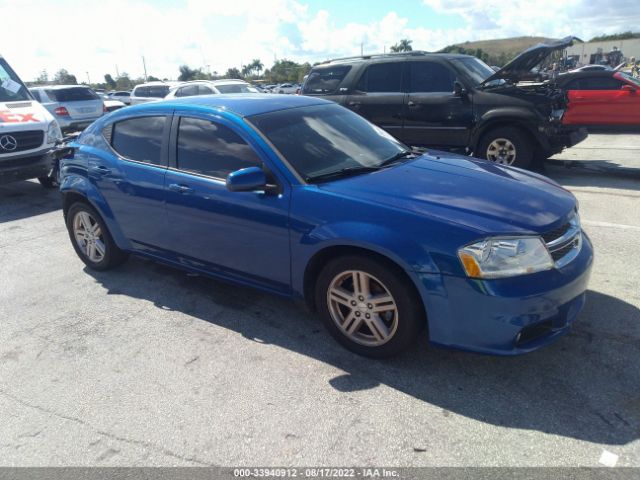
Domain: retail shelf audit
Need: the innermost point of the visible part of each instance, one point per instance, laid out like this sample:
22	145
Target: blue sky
90	37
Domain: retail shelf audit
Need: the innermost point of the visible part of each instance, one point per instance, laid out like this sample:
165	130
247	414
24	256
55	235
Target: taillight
61	112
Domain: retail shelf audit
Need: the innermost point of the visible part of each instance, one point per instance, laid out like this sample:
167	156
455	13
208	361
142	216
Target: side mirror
628	88
247	180
458	89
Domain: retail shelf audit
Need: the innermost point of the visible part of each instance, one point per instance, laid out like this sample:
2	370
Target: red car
601	98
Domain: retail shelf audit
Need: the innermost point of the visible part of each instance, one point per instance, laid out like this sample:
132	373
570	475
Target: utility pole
144	65
88	79
117	71
361	49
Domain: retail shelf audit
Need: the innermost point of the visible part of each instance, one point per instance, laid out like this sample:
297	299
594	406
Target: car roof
243	105
58	87
382	57
565	77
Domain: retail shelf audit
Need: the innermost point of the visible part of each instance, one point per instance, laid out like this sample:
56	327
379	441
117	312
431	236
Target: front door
242	235
433	114
378	96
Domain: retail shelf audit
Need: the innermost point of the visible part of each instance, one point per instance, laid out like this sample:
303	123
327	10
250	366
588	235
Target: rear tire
91	239
368	306
506	146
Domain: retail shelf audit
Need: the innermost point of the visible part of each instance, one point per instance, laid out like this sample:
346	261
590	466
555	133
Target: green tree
43	78
63	77
403	45
123	82
256	66
187	73
111	83
233	73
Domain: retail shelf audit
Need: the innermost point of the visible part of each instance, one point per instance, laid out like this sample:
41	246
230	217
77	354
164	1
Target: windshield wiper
398	156
343	172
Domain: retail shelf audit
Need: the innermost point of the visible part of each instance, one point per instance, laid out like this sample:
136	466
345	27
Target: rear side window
430	77
188	91
139	139
595	83
141	92
204	90
212	149
325	80
73	94
382	77
158	91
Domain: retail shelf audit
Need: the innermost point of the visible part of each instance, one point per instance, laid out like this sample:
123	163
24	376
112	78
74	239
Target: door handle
100	169
412	104
355	104
184	189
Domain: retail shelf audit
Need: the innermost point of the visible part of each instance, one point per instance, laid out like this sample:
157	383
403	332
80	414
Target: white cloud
94	37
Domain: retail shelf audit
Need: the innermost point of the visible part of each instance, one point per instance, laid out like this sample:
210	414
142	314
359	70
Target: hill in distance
508	46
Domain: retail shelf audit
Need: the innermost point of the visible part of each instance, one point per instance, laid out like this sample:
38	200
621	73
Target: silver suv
73	106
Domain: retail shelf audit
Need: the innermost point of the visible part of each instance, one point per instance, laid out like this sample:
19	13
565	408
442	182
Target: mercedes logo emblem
8	143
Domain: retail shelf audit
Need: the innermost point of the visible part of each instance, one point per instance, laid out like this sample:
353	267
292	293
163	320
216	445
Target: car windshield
324	139
476	70
630	79
236	88
11	88
71	94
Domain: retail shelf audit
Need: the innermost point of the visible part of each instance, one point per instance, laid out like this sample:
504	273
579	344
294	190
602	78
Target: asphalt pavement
148	366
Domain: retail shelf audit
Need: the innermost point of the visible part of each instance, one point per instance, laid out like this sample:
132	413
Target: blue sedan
303	198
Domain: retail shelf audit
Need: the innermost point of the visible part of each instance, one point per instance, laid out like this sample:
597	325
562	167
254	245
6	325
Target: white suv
151	91
210	87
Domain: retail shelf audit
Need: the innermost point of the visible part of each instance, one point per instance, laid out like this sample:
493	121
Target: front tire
506	146
91	239
369	306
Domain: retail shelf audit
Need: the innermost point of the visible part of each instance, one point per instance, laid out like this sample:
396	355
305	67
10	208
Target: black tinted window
430	77
595	83
72	94
141	92
158	91
212	149
382	77
188	91
139	138
325	80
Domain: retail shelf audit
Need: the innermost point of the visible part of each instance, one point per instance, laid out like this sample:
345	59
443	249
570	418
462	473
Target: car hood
465	191
527	60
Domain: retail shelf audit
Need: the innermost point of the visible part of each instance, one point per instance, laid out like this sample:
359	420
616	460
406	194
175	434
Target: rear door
378	96
433	114
131	177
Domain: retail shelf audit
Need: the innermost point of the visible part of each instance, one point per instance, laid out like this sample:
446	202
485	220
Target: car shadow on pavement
584	386
26	199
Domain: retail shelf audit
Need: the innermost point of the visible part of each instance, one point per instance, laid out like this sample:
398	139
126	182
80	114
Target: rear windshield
325	80
236	88
72	94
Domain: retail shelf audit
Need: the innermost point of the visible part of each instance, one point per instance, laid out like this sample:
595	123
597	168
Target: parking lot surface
145	365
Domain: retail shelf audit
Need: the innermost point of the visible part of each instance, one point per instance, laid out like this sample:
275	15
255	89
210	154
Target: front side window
235	88
382	77
204	90
158	91
212	149
323	139
596	83
11	88
139	139
430	77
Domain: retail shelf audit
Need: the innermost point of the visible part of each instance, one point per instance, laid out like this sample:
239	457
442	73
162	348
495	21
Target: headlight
505	257
53	132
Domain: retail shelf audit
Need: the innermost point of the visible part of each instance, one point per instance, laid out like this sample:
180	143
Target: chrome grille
564	243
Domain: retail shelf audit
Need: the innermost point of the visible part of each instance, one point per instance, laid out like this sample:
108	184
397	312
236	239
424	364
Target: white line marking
608	459
593	223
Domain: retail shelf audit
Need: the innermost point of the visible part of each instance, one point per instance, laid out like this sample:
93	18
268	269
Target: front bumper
506	316
24	167
566	137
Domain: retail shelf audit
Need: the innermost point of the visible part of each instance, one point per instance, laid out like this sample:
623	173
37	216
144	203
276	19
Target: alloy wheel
362	307
88	235
501	151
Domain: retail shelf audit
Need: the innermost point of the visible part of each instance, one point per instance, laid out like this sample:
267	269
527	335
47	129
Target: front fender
404	251
527	119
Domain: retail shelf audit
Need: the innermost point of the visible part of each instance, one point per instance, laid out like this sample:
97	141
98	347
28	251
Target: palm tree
257	66
403	45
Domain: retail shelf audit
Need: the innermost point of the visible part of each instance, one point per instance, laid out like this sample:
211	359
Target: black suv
454	102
